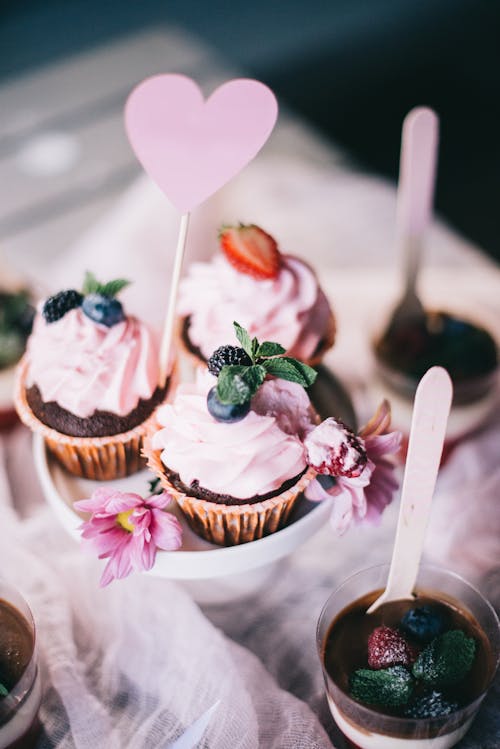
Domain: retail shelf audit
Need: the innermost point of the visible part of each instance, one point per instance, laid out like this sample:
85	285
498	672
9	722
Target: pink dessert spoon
427	434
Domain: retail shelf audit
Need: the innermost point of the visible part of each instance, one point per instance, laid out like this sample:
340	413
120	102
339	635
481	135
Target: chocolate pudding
19	681
345	652
466	350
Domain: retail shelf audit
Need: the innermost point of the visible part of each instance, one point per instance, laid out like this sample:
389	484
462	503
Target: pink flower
127	530
365	496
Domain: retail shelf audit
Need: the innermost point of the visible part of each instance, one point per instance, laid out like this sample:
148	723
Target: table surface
70	116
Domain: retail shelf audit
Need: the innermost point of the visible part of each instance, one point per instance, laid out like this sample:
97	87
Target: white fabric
137	663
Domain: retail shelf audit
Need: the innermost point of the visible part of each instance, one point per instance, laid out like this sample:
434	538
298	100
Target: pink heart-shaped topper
191	147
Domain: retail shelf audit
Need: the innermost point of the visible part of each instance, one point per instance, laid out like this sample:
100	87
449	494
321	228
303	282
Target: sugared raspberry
333	449
387	647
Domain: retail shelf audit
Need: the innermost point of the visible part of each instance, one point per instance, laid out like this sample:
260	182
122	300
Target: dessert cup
370	729
96	458
19	725
475	395
228	525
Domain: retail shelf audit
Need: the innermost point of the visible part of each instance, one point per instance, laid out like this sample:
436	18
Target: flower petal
166	531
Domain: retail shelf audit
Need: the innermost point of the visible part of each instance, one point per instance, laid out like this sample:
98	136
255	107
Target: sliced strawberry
251	250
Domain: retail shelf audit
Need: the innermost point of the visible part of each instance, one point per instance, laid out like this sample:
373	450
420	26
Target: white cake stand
213	574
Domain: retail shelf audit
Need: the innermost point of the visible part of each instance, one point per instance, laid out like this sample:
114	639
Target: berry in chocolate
387	647
228	412
103	309
251	250
447	660
389	687
227	355
335	450
58	305
432	705
424	623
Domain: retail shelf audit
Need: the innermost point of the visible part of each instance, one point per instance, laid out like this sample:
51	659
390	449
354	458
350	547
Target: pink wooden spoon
428	428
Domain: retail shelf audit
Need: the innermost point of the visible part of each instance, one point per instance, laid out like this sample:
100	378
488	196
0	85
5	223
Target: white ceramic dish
213	574
197	559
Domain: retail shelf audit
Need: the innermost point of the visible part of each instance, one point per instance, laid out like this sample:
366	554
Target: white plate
197	559
233	571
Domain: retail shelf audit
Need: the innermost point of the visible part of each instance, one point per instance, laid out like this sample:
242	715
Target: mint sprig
111	289
237	384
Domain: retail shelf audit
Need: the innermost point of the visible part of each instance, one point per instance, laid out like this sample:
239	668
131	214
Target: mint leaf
244	339
267	348
3	690
255	348
154	486
237	384
90	284
231	387
290	369
112	288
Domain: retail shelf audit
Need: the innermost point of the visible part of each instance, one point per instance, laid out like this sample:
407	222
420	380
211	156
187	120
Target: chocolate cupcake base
230	525
96	458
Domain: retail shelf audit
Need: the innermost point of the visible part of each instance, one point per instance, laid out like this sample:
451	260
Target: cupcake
89	381
274	296
16	318
238	447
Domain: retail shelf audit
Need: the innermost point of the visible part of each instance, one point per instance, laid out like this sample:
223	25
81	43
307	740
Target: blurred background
352	68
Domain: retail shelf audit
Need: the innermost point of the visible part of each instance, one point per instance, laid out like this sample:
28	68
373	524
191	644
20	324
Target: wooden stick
168	328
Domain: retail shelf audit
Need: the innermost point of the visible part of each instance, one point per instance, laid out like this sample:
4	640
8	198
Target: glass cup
19	673
369	729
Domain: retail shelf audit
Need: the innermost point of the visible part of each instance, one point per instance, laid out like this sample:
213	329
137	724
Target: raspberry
56	306
335	450
387	647
227	355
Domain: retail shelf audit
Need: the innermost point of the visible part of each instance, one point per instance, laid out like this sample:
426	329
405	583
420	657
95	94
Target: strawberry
251	250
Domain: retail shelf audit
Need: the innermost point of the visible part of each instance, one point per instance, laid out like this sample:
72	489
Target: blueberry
228	412
103	309
425	622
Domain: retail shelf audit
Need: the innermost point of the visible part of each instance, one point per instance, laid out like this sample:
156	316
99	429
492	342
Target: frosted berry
390	687
387	647
58	305
433	705
228	412
227	356
103	309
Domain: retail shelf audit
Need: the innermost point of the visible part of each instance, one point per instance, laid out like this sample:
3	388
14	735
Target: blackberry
227	355
56	306
432	705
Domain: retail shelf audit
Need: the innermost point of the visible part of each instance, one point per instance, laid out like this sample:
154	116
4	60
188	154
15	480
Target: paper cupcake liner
229	525
195	360
95	458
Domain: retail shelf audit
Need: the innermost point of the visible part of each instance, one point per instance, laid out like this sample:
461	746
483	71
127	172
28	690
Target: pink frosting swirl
84	366
251	457
290	309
